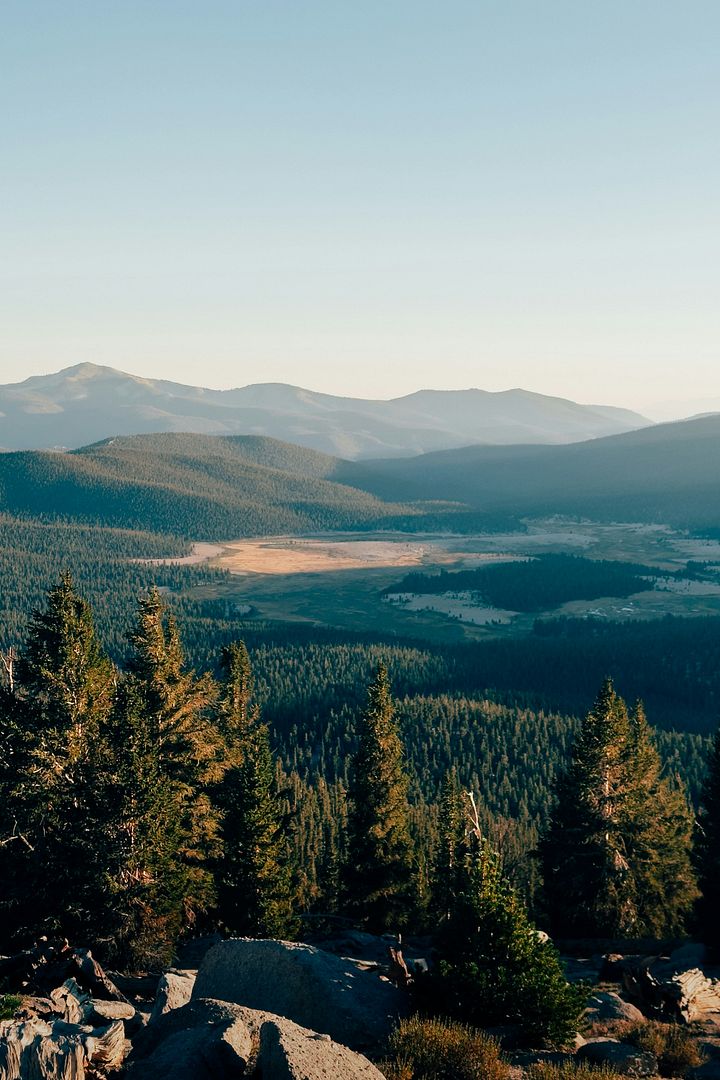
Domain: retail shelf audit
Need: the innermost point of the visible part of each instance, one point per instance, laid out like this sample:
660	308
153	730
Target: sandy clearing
296	555
200	553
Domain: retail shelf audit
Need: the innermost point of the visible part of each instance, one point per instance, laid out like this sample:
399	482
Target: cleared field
314	555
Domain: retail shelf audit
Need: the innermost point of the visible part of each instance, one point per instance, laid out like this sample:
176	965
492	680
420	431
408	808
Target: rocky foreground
289	1011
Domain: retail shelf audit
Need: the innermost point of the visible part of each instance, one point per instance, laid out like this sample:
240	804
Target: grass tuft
423	1049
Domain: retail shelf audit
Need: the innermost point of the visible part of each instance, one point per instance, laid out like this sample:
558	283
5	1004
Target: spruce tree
176	707
378	871
448	861
615	855
147	872
58	709
253	875
659	833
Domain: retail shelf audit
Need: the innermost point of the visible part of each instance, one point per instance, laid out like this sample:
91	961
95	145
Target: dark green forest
536	584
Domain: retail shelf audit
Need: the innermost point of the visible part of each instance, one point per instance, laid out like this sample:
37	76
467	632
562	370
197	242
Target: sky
365	198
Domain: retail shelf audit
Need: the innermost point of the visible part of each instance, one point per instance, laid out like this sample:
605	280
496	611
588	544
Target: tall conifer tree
63	692
450	850
147	871
378	872
175	705
253	874
616	853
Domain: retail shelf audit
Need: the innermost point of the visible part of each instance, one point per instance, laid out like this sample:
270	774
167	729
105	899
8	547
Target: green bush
9	1004
423	1049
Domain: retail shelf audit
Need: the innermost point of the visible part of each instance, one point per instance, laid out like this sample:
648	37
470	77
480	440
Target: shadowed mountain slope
669	473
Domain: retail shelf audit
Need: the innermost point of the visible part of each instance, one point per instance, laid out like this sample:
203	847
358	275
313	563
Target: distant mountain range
87	403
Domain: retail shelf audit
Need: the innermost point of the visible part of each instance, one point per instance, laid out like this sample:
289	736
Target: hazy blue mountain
668	473
86	403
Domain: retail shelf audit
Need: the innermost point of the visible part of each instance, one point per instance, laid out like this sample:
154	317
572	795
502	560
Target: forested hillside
189	486
668	474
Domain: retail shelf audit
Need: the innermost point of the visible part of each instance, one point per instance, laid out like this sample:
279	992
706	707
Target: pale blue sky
364	197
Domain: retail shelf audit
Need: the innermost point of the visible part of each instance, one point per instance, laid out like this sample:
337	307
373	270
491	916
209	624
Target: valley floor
337	579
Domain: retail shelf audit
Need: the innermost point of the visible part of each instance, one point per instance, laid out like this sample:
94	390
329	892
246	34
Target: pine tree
148	876
616	853
707	853
449	855
658	838
58	709
176	707
378	872
253	874
493	968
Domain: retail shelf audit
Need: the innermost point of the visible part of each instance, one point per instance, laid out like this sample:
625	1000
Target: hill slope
668	473
86	403
188	485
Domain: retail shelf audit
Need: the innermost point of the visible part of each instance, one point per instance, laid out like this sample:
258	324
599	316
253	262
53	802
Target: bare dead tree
8	662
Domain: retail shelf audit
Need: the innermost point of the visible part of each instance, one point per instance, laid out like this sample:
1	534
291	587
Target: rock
174	990
668	989
289	1052
604	1006
314	989
108	1012
619	1057
209	1039
200	1040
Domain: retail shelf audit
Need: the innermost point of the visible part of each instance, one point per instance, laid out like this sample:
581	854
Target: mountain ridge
86	403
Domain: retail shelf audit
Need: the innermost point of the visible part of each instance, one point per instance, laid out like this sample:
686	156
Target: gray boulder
198	1041
290	1052
314	989
619	1057
604	1006
214	1040
174	990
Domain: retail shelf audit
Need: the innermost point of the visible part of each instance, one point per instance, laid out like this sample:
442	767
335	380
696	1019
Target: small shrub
9	1003
673	1046
493	968
571	1070
423	1049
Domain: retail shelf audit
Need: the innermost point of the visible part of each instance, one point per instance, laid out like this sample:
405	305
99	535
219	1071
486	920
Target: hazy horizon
368	200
